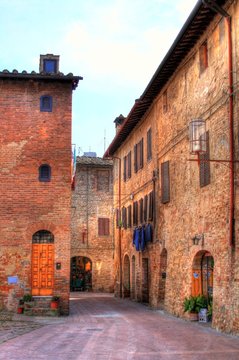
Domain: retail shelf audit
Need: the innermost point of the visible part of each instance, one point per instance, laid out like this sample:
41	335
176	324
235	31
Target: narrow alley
102	327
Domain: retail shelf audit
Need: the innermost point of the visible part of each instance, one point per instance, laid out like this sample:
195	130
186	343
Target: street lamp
197	136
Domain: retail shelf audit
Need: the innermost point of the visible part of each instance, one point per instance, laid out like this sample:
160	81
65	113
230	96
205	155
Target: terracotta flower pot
54	304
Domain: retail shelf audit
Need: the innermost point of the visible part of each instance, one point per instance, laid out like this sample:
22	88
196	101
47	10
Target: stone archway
162	277
202	274
126	281
81	273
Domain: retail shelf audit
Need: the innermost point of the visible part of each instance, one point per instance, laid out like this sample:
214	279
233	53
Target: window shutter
165	182
124	220
129	165
149	144
135	213
129	216
146	208
203	57
100	227
141	149
106	226
151	206
124	174
204	170
141	211
103	226
117	218
135	159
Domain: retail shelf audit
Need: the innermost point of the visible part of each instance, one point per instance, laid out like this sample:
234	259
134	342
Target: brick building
92	245
192	207
35	178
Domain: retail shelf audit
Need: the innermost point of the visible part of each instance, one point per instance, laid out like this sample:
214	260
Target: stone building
35	178
92	245
192	206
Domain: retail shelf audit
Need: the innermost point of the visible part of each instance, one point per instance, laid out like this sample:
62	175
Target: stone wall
91	200
192	210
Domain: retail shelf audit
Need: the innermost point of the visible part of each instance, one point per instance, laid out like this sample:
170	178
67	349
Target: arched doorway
162	276
42	263
202	274
133	286
126	282
81	273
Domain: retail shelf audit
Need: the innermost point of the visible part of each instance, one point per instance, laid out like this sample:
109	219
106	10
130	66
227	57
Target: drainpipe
215	7
119	232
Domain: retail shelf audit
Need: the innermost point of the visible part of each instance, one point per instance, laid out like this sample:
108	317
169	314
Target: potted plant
55	302
193	304
28	301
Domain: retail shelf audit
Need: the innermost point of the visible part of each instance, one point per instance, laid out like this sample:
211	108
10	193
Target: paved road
101	327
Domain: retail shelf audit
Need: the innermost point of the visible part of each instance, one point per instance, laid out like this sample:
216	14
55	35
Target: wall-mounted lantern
197	136
197	238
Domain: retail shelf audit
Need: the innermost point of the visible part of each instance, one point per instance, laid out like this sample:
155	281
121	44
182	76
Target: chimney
119	122
49	64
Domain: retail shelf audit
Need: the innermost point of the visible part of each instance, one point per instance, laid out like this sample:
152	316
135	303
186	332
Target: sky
115	45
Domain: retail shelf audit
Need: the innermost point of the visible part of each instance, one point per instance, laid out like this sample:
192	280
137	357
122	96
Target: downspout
231	136
119	232
215	7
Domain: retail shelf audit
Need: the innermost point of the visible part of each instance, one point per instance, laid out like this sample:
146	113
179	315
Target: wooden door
145	280
42	269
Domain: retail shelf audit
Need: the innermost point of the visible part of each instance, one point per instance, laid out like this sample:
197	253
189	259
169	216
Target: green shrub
27	298
195	303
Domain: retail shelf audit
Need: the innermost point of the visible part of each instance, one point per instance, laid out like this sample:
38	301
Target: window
139	155
149	144
165	102
141	211
46	103
43	237
165	182
49	66
44	173
103	226
203	56
135	213
117	218
129	211
103	180
204	170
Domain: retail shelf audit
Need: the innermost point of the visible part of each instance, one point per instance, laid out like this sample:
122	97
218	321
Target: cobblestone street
102	327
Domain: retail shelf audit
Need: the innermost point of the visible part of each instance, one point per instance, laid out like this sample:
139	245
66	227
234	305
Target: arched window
44	173
46	103
43	237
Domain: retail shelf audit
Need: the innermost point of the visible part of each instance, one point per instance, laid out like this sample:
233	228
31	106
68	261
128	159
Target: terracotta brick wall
30	138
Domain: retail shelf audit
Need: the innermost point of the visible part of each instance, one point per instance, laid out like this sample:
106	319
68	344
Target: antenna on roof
104	140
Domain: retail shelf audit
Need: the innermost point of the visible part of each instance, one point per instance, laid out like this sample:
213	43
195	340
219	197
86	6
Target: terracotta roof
93	161
24	75
194	27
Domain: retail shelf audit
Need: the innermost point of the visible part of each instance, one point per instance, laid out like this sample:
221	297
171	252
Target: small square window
49	66
46	103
